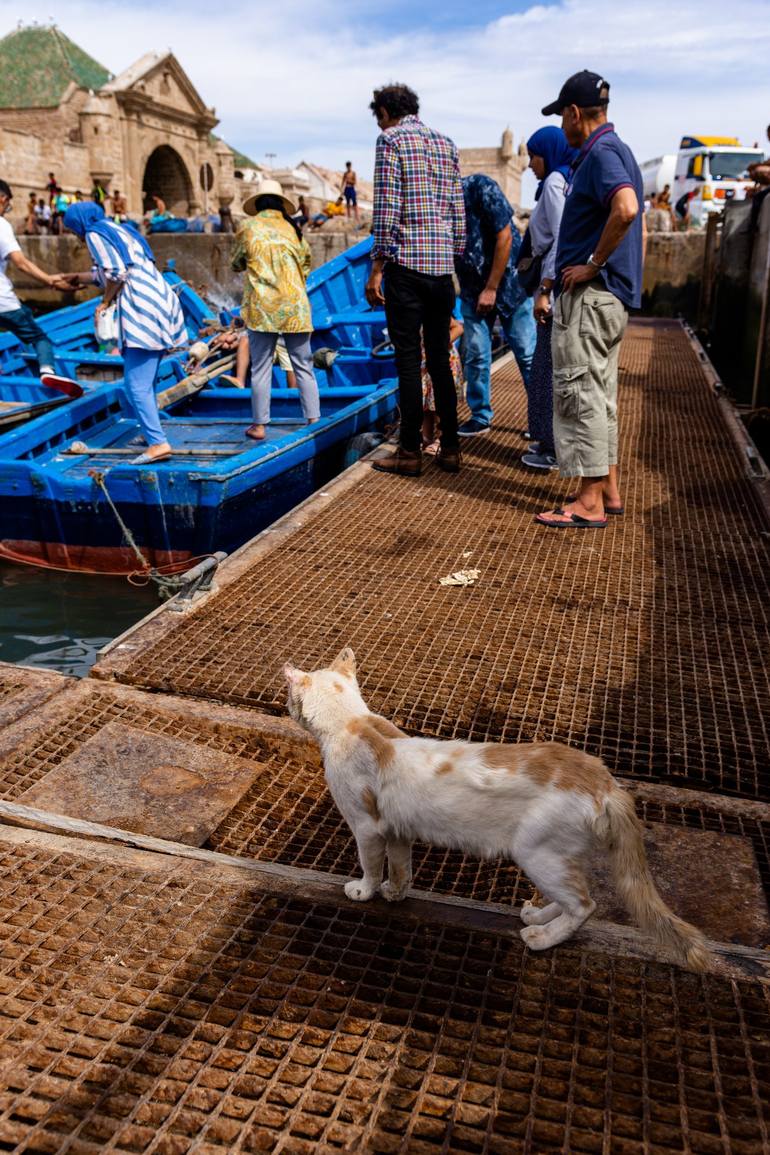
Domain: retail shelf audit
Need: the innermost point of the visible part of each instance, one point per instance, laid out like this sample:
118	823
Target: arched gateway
166	176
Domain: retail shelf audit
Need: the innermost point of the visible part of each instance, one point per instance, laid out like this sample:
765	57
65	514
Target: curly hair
396	99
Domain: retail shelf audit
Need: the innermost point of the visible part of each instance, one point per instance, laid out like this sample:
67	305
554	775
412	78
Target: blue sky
295	78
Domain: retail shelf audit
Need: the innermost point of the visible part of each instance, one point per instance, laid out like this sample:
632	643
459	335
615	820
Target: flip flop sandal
575	521
62	385
150	459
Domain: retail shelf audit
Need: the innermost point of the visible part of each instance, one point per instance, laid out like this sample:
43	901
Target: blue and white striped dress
149	313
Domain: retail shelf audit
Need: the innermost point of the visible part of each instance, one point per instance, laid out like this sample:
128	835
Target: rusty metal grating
645	643
287	816
10	687
22	688
151	1011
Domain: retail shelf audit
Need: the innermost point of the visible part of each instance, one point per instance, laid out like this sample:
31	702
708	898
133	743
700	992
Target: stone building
146	131
503	163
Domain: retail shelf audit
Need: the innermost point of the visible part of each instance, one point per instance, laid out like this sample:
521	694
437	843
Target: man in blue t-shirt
598	279
489	288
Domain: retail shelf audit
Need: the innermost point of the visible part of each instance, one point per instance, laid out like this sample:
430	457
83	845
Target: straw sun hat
268	188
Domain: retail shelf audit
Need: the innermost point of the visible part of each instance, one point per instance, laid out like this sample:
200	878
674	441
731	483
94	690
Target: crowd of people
45	214
561	296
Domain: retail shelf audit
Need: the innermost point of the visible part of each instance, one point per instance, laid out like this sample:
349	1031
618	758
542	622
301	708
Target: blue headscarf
87	217
550	143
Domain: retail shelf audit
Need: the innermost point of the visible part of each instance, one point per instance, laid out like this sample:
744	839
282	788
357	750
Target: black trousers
417	305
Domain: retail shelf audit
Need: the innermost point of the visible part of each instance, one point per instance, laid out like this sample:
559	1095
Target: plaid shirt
419	212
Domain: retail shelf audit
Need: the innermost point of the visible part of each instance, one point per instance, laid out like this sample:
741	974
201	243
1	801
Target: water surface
59	620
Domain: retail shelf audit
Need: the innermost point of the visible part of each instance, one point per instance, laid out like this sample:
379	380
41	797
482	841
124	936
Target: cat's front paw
394	893
359	890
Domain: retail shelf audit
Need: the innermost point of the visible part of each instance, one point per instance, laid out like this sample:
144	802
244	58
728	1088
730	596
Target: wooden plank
135	452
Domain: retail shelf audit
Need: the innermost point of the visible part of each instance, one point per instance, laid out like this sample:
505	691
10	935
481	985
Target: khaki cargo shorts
588	325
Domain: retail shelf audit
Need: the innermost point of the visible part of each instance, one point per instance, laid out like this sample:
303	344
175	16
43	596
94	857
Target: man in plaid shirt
418	229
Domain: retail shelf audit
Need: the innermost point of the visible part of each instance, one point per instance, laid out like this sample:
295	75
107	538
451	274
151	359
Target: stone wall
672	274
201	259
671	277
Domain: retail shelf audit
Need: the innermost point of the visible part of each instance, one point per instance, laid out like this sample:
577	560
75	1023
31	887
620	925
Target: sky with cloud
295	78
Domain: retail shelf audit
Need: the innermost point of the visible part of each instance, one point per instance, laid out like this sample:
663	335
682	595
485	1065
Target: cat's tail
621	831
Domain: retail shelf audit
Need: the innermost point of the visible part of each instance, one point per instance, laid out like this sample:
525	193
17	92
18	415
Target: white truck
715	168
657	173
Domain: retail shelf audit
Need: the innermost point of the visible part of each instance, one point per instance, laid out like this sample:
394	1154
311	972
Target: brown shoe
403	461
449	460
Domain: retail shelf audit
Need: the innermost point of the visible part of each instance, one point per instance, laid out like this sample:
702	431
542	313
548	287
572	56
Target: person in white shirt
43	216
15	317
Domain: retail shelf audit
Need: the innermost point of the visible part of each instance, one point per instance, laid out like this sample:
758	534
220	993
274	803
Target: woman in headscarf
150	319
271	249
550	158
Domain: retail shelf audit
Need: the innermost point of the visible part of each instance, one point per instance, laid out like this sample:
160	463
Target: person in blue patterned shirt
418	228
489	289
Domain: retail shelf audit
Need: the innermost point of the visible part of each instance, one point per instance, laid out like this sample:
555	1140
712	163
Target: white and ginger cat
541	804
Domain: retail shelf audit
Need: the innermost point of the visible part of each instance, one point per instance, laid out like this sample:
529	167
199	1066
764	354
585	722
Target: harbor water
59	621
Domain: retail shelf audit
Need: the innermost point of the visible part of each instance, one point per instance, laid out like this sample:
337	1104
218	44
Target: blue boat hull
86	507
81	532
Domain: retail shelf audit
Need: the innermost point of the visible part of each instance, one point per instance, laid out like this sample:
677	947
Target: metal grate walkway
158	1008
287	817
645	643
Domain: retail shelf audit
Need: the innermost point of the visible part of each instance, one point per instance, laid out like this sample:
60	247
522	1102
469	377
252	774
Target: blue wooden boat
68	509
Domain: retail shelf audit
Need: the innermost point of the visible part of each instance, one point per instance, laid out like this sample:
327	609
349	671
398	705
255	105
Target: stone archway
166	176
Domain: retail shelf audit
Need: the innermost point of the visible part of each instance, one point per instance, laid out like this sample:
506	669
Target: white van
716	168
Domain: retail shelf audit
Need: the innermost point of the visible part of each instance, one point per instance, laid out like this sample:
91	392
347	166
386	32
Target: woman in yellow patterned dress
271	250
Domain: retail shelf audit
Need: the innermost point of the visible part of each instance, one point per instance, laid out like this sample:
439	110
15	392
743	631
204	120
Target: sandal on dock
571	520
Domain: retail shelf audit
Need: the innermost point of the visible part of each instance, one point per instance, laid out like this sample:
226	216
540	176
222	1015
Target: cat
542	804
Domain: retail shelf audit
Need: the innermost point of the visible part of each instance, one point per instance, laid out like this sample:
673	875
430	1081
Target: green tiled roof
240	160
37	64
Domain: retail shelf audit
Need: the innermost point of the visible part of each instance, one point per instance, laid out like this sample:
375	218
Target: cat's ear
345	662
292	674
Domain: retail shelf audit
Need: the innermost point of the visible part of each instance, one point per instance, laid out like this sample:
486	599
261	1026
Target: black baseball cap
583	89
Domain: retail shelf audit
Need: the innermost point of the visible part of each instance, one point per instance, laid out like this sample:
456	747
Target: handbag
528	266
107	324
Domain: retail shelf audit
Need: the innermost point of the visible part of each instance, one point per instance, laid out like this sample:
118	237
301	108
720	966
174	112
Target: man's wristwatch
595	264
543	290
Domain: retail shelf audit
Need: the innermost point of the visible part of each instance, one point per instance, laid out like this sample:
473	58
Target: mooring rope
168	583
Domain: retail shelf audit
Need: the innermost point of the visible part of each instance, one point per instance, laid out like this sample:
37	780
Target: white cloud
296	79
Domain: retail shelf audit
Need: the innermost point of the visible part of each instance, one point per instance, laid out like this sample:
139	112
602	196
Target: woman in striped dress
150	320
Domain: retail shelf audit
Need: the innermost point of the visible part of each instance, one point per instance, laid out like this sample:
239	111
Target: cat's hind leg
563	881
399	870
371	854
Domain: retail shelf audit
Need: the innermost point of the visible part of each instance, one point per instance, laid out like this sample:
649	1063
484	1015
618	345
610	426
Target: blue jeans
520	333
21	322
141	369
